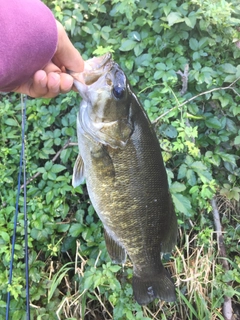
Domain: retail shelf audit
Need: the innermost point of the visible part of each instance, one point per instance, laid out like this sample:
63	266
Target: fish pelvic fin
147	287
116	252
78	172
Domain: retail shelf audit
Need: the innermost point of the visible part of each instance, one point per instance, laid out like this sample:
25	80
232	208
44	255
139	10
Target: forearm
28	40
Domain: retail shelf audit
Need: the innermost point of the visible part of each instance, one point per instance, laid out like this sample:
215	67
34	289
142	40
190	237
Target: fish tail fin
149	286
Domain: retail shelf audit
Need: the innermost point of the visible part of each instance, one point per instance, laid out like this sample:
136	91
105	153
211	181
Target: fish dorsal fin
78	172
116	252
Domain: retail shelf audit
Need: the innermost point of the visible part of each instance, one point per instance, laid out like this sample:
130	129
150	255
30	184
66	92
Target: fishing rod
22	167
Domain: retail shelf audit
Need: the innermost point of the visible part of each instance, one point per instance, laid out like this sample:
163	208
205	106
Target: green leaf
38	224
161	66
228	68
115	268
57	168
63	227
158	75
191	177
196	55
138	50
135	36
182	171
88	281
76	229
57	278
190	21
230	78
41	170
5	236
198	166
193	43
228	158
127	45
169	131
182	204
88	28
99	280
51	175
11	122
177	187
237	140
48	165
174	17
203	42
49	196
213	123
106	29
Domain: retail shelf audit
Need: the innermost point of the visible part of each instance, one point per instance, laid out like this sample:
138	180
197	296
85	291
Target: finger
66	54
47	83
38	87
66	82
44	85
53	83
58	83
40	78
35	87
51	67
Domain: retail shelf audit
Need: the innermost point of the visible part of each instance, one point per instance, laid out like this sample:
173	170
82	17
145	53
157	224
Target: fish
120	159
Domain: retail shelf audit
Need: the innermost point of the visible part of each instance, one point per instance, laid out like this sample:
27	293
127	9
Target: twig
227	305
184	76
102	304
68	144
198	95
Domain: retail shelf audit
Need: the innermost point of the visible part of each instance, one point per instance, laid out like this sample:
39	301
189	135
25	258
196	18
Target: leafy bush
163	47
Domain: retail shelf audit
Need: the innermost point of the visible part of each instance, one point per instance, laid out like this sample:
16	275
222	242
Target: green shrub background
71	275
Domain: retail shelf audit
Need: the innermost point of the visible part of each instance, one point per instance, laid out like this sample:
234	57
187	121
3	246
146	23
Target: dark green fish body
120	158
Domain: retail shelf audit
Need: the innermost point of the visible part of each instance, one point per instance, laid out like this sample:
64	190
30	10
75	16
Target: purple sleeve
28	40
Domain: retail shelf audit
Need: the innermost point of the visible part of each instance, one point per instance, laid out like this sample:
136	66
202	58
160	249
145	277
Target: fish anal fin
78	172
116	252
170	240
148	286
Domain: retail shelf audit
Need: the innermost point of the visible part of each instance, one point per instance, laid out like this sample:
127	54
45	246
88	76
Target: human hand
53	79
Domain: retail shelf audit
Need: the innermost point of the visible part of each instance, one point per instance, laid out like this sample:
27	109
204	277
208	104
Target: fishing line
22	165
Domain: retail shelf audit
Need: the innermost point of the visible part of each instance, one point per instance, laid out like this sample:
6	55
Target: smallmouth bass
121	160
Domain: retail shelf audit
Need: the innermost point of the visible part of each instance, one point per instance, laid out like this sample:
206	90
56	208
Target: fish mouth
93	70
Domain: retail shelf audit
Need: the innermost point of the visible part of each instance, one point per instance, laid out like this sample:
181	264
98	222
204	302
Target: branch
227	305
184	76
68	144
198	95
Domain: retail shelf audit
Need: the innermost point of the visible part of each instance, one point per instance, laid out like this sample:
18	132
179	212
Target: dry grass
194	268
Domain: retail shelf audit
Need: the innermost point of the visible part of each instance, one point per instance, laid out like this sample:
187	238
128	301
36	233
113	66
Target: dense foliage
183	61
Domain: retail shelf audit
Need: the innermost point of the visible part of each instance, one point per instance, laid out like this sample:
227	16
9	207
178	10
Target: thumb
66	54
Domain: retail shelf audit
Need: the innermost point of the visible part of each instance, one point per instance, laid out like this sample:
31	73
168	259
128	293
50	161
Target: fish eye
118	92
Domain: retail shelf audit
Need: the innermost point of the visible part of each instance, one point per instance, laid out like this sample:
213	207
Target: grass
195	268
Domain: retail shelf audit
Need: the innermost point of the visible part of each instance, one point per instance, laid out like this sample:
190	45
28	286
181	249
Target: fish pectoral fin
116	252
78	172
103	162
117	134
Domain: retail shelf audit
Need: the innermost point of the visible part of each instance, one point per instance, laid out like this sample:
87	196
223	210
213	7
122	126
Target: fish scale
120	158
